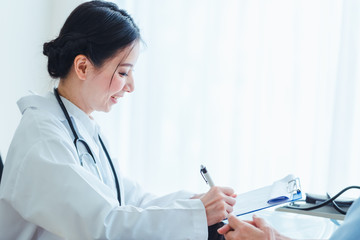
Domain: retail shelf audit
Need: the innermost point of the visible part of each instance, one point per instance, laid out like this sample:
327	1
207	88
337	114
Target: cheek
118	84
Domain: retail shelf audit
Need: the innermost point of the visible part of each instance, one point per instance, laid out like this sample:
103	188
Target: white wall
24	27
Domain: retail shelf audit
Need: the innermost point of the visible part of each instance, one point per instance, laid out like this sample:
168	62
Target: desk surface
297	226
325	211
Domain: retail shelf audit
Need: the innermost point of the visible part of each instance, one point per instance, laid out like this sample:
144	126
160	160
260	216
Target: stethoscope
89	155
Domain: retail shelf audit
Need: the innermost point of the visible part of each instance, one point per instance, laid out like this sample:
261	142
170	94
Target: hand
257	229
218	202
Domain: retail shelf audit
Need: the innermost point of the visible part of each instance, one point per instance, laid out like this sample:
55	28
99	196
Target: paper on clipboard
282	191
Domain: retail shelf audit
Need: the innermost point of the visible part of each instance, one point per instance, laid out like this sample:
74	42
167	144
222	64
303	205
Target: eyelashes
122	74
125	72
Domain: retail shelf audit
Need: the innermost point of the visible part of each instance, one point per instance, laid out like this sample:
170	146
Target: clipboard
282	191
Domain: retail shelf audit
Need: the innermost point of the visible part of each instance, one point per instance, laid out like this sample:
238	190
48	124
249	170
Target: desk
297	226
325	211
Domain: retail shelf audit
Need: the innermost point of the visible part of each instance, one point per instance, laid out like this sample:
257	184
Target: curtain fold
254	90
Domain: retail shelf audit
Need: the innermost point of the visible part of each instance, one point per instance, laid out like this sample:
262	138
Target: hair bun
53	54
61	52
48	46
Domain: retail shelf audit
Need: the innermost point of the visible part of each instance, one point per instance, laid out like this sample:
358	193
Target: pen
205	174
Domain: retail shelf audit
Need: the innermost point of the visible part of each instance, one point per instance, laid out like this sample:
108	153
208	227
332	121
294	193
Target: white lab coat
46	194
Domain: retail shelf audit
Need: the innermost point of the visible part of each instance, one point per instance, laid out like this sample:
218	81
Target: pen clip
202	171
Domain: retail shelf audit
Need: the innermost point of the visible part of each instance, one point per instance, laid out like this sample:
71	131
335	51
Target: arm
349	229
218	201
257	229
65	199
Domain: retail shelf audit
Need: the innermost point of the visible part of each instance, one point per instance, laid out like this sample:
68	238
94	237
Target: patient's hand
257	229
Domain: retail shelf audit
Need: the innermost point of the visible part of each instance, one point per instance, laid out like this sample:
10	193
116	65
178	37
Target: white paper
259	199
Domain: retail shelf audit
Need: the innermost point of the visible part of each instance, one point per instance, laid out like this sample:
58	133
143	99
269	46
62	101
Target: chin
104	109
107	109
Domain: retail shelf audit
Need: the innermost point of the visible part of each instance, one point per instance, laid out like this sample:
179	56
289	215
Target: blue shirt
350	229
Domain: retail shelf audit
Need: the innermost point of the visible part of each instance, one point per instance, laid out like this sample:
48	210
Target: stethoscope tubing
76	139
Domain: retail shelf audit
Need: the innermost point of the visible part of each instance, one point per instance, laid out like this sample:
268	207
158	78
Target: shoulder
41	128
41	139
37	124
350	227
41	116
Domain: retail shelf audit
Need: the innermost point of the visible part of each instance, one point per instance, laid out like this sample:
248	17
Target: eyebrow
125	65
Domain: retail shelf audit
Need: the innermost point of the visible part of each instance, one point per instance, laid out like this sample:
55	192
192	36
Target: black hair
96	29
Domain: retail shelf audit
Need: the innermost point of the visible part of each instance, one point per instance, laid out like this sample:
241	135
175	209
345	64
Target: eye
123	74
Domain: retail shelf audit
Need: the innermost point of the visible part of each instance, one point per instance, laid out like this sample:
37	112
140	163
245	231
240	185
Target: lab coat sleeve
65	199
135	195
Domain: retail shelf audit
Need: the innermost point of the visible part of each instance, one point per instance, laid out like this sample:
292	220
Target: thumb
233	221
224	229
265	227
259	222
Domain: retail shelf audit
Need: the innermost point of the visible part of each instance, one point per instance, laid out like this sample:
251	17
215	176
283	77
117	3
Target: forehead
126	56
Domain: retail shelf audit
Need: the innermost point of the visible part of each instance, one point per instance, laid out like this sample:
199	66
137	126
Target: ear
81	66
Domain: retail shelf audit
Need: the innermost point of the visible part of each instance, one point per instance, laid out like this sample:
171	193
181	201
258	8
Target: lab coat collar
89	124
39	102
50	104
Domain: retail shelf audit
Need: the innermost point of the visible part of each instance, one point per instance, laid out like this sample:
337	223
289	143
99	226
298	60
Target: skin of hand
257	229
218	202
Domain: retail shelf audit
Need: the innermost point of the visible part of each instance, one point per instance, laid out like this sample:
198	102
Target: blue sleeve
350	229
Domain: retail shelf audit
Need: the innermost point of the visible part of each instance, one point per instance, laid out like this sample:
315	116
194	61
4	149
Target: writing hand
218	202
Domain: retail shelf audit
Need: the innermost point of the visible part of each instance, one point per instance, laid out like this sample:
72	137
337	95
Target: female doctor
59	180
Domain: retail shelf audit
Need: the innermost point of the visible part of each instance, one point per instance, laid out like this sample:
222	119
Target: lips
115	98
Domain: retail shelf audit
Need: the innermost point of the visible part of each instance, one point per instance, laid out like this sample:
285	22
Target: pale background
252	89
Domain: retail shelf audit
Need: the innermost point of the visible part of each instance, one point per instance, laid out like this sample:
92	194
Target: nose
129	85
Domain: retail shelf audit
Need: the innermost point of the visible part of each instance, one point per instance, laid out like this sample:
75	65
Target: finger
242	230
232	235
227	191
236	223
229	209
230	200
266	228
224	229
259	222
249	222
233	221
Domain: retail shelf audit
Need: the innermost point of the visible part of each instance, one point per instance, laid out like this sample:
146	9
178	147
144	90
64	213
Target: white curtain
254	90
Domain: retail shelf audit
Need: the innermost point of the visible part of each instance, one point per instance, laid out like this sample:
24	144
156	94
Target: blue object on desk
278	200
282	191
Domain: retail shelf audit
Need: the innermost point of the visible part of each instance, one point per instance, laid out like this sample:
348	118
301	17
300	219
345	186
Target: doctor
59	180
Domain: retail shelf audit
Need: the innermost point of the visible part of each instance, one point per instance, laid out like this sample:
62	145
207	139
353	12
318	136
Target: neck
72	94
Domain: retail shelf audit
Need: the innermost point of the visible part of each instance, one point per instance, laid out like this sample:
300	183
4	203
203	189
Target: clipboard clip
294	187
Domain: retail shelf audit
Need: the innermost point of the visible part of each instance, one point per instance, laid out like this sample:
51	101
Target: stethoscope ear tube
63	108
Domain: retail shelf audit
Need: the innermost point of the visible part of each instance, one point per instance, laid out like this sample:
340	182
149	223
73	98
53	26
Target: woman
59	180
